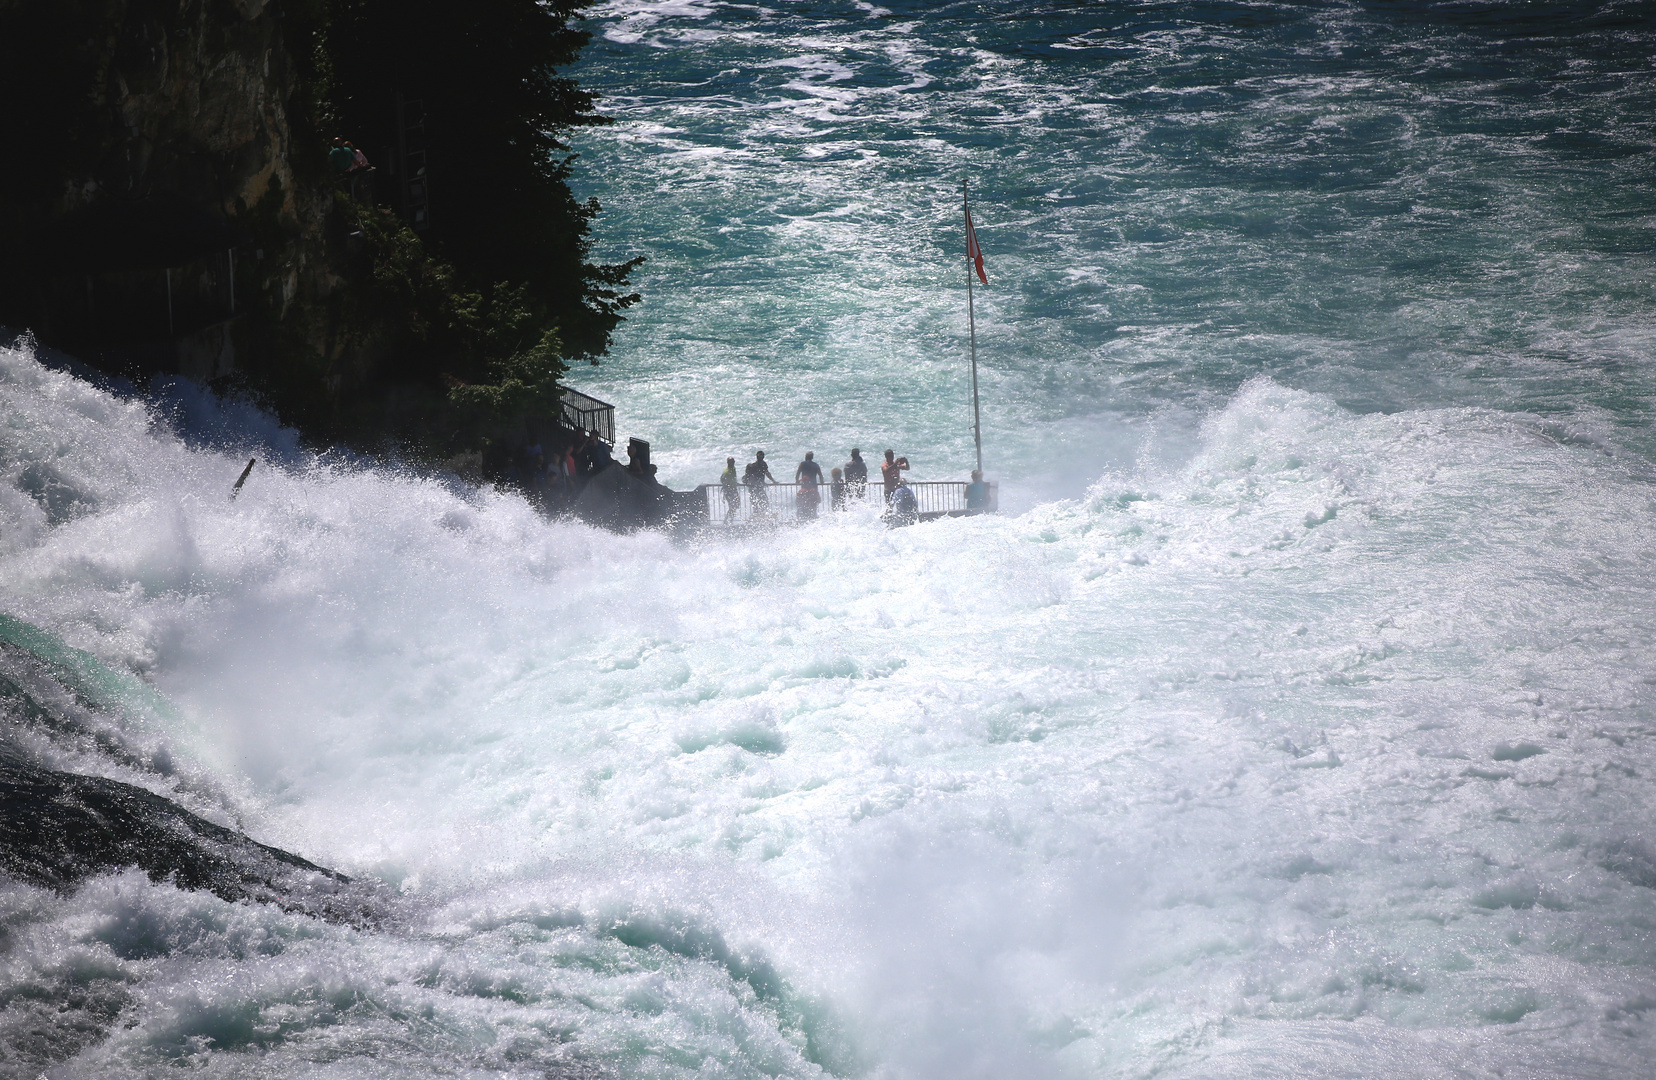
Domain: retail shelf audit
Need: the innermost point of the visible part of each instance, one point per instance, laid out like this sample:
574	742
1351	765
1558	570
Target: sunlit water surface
1295	720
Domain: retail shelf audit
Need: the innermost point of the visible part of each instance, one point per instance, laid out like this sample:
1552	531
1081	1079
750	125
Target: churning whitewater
1295	720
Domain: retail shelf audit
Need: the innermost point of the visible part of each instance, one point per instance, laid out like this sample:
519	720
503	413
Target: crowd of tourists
554	470
844	484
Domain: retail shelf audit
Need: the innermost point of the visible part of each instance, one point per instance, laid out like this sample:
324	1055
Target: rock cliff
203	102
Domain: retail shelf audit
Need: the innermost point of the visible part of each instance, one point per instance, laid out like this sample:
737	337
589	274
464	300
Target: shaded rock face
198	92
199	100
58	828
62	828
618	500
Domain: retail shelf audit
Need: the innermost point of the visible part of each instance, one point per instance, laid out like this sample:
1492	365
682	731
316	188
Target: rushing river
1297	718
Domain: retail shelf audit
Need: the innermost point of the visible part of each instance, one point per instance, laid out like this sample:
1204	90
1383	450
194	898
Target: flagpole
971	322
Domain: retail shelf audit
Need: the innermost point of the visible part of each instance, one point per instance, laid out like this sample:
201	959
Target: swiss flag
974	252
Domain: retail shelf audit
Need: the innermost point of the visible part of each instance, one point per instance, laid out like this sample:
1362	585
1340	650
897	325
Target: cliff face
197	96
169	205
199	102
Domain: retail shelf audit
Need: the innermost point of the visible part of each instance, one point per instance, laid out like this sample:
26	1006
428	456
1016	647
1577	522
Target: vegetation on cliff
355	319
498	113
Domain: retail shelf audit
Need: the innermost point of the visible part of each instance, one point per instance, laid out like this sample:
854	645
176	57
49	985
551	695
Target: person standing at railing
755	477
891	474
594	456
836	491
732	488
557	481
904	508
977	492
856	475
809	478
807	499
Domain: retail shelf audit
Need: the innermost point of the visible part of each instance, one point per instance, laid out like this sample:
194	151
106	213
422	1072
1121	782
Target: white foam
1222	743
1295	724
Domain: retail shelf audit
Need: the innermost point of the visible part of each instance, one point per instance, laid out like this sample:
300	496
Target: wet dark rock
617	499
62	828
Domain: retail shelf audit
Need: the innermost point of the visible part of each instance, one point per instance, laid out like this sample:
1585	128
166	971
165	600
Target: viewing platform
627	495
584	412
780	506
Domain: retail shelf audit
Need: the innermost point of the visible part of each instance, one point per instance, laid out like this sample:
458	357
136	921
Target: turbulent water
1296	719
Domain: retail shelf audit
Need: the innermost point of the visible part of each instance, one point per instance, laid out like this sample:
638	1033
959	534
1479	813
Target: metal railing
781	503
587	413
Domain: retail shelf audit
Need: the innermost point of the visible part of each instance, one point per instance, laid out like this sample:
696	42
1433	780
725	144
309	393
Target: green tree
497	115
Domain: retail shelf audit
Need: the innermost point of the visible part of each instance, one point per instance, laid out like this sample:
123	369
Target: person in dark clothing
594	456
904	508
809	478
836	491
755	477
856	475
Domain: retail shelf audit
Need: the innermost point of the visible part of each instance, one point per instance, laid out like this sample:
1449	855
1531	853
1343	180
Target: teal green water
1397	205
1295	720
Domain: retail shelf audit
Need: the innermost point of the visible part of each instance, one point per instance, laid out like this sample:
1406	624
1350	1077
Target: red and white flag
973	252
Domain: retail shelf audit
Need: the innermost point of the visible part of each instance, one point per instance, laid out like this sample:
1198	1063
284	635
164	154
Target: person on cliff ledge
341	157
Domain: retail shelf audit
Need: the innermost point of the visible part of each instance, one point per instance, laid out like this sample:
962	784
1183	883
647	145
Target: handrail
586	413
779	501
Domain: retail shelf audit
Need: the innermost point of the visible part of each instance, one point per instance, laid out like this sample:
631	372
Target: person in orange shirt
891	473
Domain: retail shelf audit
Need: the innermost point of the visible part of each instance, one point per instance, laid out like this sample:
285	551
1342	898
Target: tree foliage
497	116
351	325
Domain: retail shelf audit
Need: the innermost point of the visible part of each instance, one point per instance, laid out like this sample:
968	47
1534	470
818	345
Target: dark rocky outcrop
59	828
617	499
168	206
193	102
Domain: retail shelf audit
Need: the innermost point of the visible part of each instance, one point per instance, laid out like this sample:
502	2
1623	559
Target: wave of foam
1328	735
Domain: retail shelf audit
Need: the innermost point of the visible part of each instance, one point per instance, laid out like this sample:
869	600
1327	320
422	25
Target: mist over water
1296	722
